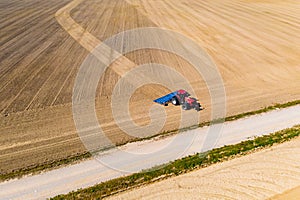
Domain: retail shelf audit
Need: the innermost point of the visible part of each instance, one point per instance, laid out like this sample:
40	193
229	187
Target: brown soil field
255	45
292	194
260	175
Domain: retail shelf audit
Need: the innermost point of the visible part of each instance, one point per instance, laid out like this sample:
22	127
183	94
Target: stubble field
255	45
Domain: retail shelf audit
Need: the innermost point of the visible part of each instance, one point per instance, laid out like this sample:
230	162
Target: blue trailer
166	99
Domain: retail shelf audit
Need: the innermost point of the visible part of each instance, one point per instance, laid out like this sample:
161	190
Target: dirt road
254	44
141	155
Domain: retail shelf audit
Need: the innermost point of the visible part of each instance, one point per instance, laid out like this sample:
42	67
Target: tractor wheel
197	107
175	101
185	106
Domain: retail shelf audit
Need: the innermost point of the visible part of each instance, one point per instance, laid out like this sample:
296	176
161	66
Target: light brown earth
292	194
260	175
255	45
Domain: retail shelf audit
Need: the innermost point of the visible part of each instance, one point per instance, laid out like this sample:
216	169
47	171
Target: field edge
47	166
181	166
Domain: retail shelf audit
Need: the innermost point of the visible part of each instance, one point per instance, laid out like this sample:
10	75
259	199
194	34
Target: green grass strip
34	169
181	166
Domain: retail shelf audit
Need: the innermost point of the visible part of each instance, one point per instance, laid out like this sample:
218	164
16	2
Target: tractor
180	97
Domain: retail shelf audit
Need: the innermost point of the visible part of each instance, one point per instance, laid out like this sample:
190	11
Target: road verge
184	165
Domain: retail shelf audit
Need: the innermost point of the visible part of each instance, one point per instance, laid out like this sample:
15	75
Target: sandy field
292	194
253	43
260	175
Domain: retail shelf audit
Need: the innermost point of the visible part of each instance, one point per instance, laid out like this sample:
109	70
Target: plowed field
255	45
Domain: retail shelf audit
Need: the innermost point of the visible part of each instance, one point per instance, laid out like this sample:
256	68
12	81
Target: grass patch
52	164
181	166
